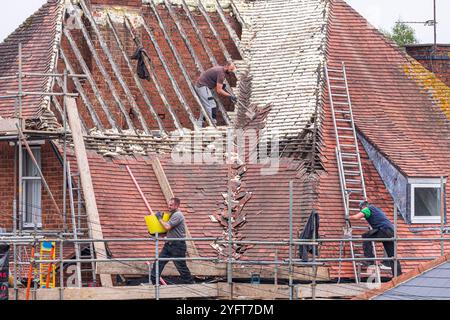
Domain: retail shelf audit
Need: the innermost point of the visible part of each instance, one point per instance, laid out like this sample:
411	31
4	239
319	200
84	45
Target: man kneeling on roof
213	78
176	248
381	228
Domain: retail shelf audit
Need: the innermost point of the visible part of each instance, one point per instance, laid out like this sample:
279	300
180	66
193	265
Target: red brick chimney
130	3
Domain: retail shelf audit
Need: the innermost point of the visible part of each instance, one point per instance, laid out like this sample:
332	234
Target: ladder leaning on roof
79	227
351	175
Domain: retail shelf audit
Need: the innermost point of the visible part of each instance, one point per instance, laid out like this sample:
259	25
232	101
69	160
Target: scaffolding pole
291	208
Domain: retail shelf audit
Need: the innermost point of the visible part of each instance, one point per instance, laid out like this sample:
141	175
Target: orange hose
30	274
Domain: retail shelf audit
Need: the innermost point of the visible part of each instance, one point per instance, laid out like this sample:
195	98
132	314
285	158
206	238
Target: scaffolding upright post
61	269
291	202
441	211
395	242
64	152
275	280
16	290
19	207
314	268
230	248
157	266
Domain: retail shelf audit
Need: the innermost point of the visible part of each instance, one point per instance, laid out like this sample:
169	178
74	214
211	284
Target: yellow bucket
154	226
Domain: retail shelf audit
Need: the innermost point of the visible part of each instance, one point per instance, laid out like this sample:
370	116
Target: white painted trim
426	180
432	219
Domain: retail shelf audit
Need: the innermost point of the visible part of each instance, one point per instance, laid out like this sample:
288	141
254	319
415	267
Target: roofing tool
152	222
224	87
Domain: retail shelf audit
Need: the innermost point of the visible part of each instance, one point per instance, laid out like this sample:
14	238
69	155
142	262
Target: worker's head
229	67
174	204
363	204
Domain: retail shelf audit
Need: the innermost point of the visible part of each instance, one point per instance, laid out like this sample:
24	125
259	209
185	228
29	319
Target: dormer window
426	200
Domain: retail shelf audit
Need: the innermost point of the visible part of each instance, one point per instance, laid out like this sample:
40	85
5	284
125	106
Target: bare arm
220	91
166	225
357	216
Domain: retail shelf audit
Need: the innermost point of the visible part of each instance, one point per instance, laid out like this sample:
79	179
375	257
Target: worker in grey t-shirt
211	79
174	249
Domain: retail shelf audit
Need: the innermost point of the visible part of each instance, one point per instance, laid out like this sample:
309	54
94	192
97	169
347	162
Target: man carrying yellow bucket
176	248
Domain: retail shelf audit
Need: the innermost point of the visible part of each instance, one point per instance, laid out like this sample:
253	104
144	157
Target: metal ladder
78	218
351	177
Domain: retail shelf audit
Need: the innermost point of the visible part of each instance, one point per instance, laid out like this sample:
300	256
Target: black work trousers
388	246
173	249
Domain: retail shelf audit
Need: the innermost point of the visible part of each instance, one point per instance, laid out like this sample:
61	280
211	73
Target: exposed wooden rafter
91	81
180	63
214	31
135	77
81	91
198	64
115	68
105	74
162	92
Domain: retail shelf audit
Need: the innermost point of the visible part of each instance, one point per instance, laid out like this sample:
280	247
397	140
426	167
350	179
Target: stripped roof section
39	36
285	49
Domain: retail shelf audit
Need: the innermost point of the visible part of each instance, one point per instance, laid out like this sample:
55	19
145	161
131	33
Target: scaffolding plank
126	293
210	269
95	228
8	125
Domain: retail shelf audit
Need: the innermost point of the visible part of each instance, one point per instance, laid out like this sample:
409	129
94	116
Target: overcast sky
381	13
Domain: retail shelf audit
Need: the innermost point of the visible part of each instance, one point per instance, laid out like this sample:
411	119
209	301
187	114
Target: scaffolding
14	131
77	238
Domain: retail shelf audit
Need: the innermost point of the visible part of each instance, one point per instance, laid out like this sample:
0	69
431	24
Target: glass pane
426	202
32	203
29	168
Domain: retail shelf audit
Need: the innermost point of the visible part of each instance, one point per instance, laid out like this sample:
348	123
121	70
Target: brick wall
439	64
52	170
130	47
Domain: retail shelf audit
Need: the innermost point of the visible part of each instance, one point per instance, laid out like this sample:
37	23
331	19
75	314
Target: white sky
381	13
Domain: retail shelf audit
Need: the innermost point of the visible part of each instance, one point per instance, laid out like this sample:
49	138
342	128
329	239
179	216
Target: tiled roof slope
267	212
285	52
39	36
122	210
402	119
201	189
331	210
396	105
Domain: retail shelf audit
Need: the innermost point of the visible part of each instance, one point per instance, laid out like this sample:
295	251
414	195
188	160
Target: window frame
426	183
27	224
